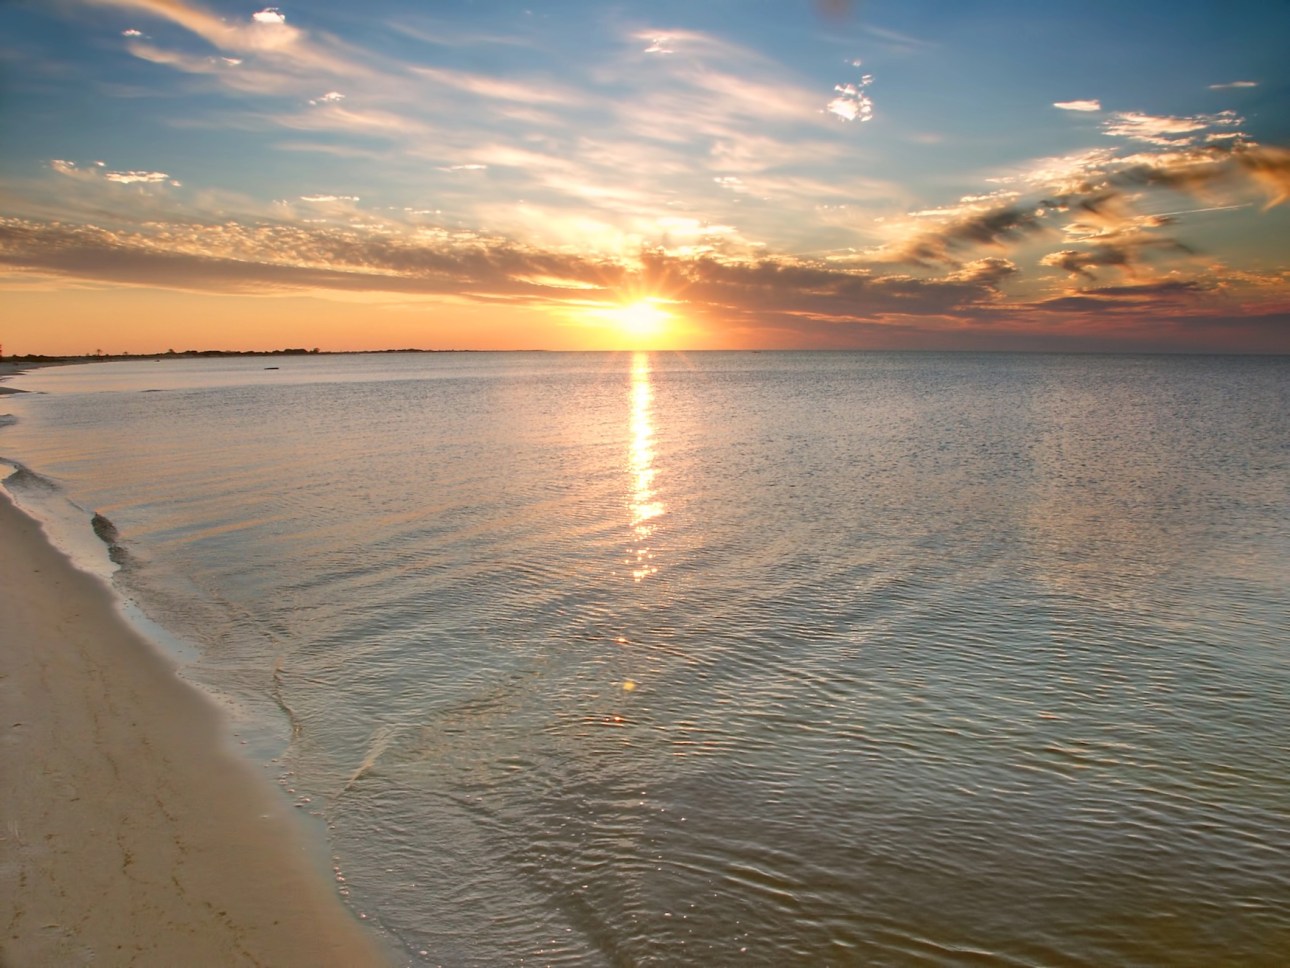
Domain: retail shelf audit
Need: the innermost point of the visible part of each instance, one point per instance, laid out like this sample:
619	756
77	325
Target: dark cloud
986	272
1173	287
1005	224
1196	171
1099	210
798	287
233	258
1131	298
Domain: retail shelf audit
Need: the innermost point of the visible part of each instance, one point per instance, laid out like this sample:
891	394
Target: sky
708	174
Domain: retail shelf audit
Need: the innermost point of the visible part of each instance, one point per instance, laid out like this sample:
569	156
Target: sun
642	319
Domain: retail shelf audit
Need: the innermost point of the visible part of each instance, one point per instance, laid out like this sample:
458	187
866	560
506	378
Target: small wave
24	479
105	529
7	420
110	536
378	743
62	519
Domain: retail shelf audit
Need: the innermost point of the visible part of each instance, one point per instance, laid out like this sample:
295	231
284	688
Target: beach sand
132	834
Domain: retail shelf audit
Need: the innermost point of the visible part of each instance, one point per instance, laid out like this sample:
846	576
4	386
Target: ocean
784	659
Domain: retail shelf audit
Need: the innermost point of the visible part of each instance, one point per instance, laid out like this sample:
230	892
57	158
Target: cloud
265	34
695	43
852	103
269	15
772	300
188	63
98	172
988	273
724	158
903	43
1123	252
1093	199
488	86
1233	84
1172	287
236	257
371	122
139	177
1165	131
996	226
1202	171
1269	168
241	258
1089	105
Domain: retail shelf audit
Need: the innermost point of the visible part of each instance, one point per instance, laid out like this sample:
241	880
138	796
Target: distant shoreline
13	365
39	359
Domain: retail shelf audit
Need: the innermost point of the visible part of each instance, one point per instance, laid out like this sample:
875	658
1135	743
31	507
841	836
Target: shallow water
782	659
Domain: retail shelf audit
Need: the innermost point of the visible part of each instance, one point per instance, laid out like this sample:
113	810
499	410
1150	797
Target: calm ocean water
730	659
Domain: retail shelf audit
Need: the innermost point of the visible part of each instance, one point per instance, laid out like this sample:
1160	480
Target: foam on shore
129	832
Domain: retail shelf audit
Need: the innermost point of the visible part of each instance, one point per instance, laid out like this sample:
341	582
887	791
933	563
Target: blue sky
816	174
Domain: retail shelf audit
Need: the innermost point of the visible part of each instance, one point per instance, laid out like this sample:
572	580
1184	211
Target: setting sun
643	319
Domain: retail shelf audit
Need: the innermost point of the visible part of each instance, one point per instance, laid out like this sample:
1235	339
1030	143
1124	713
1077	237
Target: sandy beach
132	834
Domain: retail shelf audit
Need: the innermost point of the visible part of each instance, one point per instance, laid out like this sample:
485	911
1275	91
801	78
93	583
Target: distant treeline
176	354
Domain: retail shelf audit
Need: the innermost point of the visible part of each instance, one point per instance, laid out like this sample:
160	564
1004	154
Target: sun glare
643	319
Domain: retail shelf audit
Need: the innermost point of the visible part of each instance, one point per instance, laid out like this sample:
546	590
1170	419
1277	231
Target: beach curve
132	835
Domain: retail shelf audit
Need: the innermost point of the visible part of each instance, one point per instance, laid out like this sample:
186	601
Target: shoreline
9	369
132	832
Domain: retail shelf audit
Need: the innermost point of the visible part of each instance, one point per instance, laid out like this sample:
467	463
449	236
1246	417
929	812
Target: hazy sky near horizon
722	174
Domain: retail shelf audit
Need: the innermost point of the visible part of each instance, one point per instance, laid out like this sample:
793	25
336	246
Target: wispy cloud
265	34
536	91
782	298
965	228
98	171
1086	105
495	165
1166	131
901	42
139	177
1095	210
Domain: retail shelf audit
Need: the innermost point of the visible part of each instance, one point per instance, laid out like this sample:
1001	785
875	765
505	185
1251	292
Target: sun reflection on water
645	506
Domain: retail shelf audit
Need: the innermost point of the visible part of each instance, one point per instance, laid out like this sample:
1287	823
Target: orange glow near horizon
635	322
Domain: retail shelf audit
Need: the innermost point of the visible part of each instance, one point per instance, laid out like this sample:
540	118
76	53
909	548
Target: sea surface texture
729	659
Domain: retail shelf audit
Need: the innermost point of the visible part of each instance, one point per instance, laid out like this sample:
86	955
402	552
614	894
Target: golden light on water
644	503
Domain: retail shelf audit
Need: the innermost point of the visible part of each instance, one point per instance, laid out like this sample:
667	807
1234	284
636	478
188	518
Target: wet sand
131	833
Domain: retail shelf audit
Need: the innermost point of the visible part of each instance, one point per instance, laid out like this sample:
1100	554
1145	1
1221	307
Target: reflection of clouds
645	506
